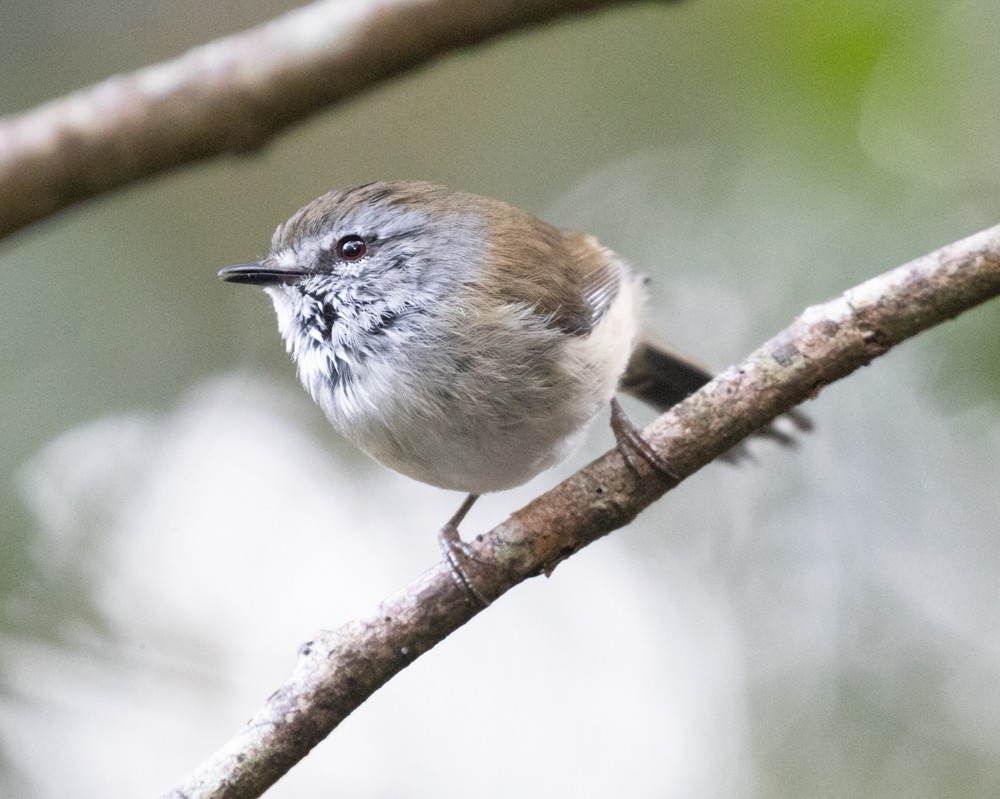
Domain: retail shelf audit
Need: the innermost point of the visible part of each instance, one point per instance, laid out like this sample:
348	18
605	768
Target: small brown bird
457	339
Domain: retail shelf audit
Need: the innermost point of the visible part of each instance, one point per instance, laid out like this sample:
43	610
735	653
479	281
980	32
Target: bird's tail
662	378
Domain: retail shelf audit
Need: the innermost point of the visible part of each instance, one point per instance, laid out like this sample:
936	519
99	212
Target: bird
460	340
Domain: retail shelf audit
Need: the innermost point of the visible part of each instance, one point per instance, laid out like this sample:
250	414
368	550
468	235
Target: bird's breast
468	403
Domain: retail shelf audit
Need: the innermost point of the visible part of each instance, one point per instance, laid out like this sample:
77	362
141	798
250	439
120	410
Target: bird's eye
351	248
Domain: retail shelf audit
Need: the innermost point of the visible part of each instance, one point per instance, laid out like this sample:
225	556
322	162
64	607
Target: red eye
351	248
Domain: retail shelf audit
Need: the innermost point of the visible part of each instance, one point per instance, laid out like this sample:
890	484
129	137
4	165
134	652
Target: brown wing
566	278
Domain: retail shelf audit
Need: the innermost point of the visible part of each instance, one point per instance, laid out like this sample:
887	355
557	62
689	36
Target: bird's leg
633	446
457	553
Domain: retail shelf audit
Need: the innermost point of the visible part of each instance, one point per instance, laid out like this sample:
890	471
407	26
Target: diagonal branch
338	670
234	94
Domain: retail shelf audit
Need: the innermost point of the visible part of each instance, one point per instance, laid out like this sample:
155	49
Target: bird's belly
470	415
469	453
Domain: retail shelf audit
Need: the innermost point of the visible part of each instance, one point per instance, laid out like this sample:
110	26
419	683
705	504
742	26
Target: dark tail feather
662	378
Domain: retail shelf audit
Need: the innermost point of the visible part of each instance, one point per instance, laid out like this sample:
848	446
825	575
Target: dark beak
258	273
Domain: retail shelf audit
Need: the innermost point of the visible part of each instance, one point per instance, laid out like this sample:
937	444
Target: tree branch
234	94
337	671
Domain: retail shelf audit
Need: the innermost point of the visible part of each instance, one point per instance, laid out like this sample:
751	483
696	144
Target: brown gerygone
459	340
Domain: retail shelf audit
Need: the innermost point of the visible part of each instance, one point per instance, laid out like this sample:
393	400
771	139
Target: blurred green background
753	158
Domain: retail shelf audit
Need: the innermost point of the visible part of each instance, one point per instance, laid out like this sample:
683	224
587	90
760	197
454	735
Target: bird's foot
458	554
633	446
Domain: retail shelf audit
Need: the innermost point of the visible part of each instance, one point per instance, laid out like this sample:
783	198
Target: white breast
472	414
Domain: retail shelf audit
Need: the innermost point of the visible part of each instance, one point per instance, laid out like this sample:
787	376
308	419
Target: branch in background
234	94
338	670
